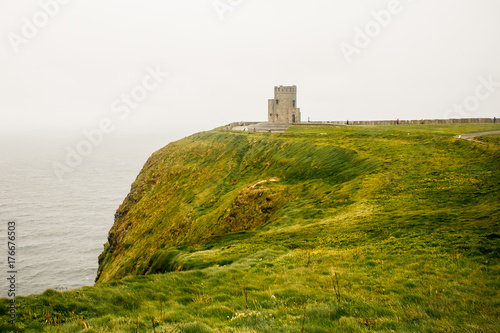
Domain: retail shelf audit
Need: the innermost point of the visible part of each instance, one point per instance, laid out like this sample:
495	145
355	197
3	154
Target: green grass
490	139
320	229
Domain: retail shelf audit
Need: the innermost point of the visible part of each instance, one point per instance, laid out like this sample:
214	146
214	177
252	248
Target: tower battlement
285	89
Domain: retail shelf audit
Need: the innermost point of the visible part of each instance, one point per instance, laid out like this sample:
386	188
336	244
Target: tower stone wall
283	108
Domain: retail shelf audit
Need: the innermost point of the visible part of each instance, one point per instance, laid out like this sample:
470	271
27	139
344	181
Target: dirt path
471	136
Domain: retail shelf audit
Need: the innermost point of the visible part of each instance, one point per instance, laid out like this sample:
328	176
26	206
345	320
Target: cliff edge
213	184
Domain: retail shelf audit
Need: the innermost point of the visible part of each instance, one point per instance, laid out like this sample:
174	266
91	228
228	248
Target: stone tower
283	108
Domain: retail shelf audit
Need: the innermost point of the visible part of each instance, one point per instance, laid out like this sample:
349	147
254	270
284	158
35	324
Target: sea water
62	223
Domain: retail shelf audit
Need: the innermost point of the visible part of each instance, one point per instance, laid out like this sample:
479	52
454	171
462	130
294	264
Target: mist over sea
62	224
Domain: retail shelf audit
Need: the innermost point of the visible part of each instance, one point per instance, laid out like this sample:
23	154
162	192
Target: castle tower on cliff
283	108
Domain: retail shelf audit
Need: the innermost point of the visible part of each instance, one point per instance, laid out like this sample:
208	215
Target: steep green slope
212	184
320	229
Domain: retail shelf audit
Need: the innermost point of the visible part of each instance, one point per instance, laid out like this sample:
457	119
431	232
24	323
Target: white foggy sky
67	76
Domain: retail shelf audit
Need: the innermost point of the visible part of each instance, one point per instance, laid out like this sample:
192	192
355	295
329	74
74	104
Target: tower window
294	103
277	101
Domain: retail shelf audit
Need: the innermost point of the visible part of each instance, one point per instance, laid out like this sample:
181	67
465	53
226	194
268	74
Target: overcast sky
72	67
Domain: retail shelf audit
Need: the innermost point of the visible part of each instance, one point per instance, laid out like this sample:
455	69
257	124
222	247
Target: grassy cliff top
320	229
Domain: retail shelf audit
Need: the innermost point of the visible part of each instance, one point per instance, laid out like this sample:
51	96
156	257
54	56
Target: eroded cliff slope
215	183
